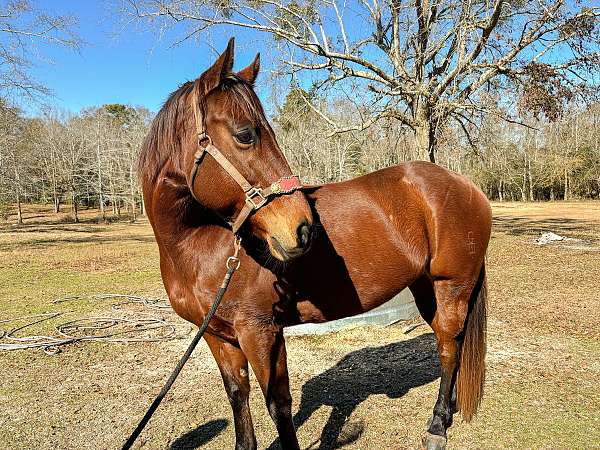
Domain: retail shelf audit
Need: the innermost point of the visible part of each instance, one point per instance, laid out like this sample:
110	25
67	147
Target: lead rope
232	264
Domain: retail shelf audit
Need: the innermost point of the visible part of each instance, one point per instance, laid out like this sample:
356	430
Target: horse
308	254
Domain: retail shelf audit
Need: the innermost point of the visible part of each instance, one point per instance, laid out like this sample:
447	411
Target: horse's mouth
279	252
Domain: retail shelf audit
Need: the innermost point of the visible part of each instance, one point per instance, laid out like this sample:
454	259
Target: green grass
35	271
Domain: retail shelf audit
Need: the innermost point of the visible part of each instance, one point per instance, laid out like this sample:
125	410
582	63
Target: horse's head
225	107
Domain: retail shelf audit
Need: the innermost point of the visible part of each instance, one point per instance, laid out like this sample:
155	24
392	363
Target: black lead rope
232	266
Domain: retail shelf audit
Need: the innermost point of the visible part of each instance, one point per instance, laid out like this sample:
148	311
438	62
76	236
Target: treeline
88	159
524	159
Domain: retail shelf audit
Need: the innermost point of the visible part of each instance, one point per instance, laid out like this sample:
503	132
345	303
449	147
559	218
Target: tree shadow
53	242
42	227
523	226
392	369
50	218
200	436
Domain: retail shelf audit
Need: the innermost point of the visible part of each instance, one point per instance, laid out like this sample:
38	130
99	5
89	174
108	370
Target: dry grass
359	389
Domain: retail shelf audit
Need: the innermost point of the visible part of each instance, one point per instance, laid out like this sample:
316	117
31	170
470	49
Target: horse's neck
182	226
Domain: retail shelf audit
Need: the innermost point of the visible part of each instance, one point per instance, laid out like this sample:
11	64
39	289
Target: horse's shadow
200	436
391	369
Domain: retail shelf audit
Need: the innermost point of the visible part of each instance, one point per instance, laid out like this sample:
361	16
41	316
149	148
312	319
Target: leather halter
256	197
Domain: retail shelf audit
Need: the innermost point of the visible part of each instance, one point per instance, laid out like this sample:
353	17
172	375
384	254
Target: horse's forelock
164	138
242	101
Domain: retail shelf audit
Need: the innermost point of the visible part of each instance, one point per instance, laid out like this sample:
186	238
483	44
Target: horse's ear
219	70
251	72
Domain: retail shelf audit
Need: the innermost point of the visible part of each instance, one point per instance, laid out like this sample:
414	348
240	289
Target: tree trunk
530	178
75	210
132	190
568	193
425	139
133	212
425	131
99	162
55	196
19	210
113	196
18	197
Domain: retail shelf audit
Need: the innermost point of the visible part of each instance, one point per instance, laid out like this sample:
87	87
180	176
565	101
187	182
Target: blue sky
126	65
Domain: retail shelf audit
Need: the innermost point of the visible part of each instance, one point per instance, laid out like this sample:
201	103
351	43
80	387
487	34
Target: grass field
365	388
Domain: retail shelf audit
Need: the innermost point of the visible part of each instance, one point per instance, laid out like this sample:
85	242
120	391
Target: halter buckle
255	198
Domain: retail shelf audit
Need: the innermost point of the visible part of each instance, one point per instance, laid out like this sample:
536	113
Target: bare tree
77	160
52	146
422	62
24	29
99	168
12	157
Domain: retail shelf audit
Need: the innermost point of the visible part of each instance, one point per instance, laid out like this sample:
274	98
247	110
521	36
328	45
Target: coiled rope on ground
125	326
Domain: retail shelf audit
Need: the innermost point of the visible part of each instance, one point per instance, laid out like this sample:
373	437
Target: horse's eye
245	136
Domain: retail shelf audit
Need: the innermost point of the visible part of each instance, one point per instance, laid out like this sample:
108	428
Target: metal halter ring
204	137
233	262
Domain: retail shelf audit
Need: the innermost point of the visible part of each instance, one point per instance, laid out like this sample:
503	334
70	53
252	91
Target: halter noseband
256	197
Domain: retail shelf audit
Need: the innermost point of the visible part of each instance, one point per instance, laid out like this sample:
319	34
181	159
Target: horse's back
438	215
414	184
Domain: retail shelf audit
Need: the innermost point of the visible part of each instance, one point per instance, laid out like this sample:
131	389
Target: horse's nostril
304	233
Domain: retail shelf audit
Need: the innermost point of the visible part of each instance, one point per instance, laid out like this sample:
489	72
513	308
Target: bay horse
316	254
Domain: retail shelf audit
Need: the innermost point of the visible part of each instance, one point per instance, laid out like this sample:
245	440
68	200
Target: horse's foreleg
452	305
234	369
267	355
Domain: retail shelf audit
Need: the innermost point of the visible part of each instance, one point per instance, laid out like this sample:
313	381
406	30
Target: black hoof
433	442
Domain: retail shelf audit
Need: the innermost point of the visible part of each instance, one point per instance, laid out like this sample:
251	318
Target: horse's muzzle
304	235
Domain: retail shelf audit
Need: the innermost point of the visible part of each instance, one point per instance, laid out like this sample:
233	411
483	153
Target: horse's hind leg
234	370
454	300
424	295
448	324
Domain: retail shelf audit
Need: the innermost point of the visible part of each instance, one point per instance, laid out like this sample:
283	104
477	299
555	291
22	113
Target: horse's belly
354	283
309	311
